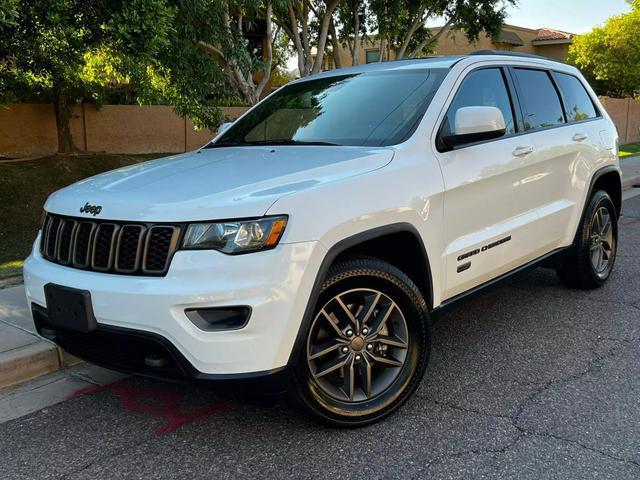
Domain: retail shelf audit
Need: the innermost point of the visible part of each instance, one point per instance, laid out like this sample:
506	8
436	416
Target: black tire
577	268
378	386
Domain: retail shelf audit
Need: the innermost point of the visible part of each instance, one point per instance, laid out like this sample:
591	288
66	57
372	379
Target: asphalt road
529	380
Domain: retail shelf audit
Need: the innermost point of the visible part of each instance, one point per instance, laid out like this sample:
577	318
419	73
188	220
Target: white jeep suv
312	240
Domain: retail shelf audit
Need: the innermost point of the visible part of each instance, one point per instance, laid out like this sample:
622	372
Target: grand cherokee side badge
92	209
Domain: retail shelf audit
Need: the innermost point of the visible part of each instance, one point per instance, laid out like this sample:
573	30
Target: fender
594	178
340	247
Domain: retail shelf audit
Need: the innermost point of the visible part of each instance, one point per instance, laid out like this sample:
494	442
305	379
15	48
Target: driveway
528	380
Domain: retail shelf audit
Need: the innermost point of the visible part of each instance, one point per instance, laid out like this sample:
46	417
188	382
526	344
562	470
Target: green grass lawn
629	150
24	187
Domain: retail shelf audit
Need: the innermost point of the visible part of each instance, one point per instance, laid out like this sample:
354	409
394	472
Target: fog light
219	319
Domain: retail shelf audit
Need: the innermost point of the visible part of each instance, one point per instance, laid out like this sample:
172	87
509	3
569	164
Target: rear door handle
580	137
522	151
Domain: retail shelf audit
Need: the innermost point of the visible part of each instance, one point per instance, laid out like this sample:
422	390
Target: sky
575	16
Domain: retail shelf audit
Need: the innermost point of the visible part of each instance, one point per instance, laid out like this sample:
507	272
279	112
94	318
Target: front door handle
580	137
522	151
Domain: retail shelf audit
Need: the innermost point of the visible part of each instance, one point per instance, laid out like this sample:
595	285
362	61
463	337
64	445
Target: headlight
240	236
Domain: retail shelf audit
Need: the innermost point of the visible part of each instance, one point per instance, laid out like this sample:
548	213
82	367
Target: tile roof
546	34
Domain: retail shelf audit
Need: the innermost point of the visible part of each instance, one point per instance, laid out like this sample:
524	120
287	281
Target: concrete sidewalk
25	355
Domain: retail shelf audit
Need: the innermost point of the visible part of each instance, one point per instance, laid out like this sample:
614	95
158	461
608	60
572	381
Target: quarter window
541	102
482	88
577	101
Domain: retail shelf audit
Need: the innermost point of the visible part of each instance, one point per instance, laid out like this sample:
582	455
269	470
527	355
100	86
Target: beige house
542	41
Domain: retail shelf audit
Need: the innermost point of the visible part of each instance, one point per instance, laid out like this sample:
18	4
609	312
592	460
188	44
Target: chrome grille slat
51	244
45	233
104	246
129	248
82	244
108	246
64	246
160	244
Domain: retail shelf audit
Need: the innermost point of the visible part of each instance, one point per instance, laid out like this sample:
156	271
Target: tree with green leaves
190	54
45	45
8	12
401	24
221	29
610	54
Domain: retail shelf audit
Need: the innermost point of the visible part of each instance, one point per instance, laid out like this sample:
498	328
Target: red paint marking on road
167	403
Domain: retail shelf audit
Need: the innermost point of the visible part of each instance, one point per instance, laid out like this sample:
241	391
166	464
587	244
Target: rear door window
541	103
577	101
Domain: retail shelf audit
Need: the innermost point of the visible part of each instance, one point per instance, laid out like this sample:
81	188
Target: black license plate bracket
70	308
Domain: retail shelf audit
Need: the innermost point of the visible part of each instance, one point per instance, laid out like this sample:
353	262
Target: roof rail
512	54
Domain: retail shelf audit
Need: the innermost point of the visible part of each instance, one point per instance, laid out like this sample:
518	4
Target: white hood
215	183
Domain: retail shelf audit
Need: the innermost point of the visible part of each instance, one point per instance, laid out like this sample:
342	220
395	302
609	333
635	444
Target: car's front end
178	268
161	310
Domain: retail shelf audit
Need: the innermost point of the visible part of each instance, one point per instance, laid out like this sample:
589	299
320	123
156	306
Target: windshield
361	109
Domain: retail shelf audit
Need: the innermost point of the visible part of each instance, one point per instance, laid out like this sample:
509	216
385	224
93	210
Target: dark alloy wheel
590	261
601	241
367	345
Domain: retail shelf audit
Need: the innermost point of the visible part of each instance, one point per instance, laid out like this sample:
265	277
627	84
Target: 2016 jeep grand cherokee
312	240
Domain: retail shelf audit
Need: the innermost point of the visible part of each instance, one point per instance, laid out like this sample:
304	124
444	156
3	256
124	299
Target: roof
436	62
548	34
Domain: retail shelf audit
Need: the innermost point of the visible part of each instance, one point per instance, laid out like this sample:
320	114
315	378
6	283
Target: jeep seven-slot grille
109	247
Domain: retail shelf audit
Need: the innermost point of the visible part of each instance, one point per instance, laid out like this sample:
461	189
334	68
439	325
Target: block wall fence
30	129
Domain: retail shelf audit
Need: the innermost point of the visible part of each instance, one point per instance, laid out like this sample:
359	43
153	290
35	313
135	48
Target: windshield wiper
262	143
293	142
227	144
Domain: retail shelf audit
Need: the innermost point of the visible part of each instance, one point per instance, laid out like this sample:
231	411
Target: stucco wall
625	113
30	129
455	43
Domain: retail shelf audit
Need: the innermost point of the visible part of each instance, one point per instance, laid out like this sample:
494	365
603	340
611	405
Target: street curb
630	182
28	362
33	360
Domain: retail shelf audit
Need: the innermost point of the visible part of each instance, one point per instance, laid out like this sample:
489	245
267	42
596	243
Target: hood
215	183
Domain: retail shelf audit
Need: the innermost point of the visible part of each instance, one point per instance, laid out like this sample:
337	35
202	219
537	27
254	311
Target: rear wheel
590	261
367	347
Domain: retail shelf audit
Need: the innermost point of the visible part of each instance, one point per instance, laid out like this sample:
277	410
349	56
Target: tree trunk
322	35
383	42
335	45
356	34
63	116
431	40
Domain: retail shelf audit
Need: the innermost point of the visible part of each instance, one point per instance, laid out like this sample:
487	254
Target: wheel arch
368	243
608	179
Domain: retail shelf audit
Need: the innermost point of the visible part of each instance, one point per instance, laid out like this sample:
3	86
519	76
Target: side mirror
476	124
224	127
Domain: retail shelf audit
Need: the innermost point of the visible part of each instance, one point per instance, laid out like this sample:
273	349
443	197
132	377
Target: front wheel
367	346
590	261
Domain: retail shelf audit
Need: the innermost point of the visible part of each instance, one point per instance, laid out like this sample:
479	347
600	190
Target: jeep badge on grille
92	209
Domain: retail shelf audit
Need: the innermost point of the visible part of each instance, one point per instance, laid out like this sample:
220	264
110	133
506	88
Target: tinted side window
541	102
482	88
577	100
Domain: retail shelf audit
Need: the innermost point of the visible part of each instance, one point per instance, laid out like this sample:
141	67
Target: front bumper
276	284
